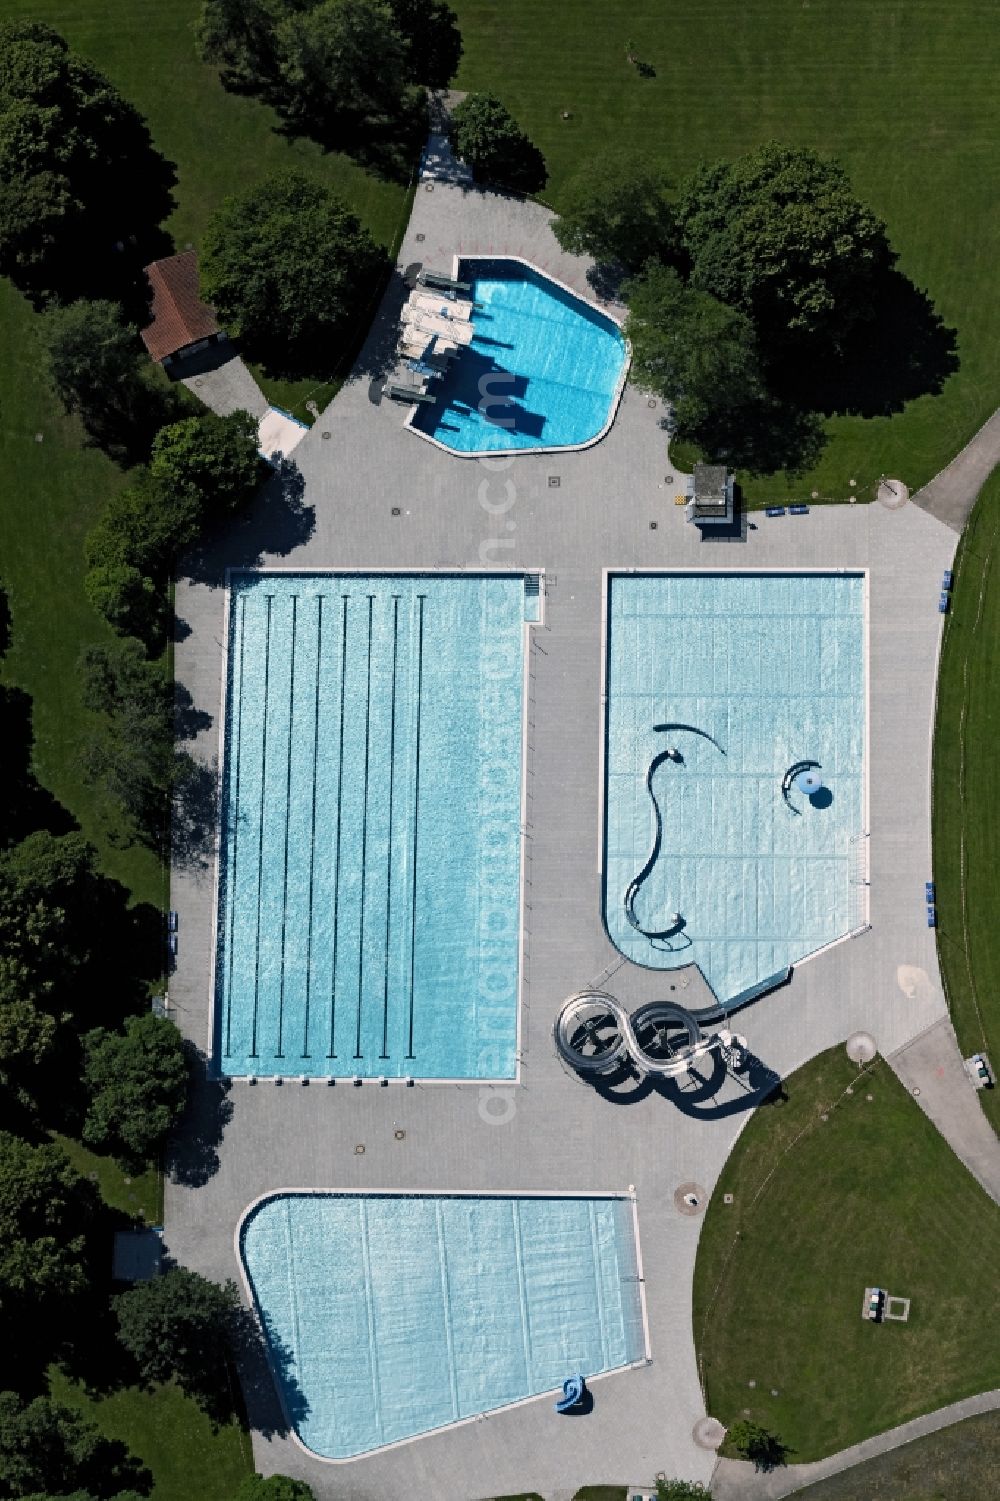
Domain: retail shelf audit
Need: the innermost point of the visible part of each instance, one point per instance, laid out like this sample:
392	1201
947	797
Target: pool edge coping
514	453
628	1194
214	1071
864	573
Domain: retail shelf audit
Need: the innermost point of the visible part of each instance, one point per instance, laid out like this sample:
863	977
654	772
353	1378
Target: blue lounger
775	511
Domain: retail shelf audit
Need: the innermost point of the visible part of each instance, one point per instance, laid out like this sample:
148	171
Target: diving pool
391	1315
545	369
722	690
368	917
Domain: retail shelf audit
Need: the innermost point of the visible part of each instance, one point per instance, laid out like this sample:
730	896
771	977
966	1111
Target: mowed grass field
870	1196
902	91
961	1463
966	819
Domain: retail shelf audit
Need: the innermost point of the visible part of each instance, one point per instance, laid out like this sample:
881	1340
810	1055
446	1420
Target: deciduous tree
780	234
289	269
485	135
137	1082
45	1212
179	1327
618	210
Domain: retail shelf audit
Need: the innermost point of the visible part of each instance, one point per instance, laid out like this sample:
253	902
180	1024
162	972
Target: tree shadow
26	804
191	1157
189	720
194	814
5	623
903	351
765	435
378	354
272	1395
276	523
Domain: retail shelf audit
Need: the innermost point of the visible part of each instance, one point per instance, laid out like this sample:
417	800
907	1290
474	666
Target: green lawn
966	794
141	1196
872	1196
903	93
958	1464
169	1433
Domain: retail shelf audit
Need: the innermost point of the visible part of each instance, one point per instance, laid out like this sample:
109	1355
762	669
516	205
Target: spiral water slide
595	1035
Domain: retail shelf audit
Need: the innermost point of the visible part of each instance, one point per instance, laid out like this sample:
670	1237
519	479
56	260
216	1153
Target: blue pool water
388	1316
751	675
543	369
369	893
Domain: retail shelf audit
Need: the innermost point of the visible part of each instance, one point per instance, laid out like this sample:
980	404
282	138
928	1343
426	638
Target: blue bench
775	511
943	604
946	581
931	916
798	510
929	892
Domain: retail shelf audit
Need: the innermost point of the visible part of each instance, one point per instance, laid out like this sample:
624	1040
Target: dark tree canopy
45	1212
137	1083
180	1327
486	136
238	37
132	750
619	211
101	372
215	457
77	166
290	270
274	1488
690	349
50	1449
344	68
434	42
780	235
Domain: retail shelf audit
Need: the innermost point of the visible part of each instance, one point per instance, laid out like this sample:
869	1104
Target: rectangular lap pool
369	867
390	1315
734	770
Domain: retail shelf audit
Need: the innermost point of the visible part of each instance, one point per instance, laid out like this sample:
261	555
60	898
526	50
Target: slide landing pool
390	1315
734	813
370	849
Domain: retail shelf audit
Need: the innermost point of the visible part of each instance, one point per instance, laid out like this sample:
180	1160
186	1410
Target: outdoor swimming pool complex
734	770
391	1315
369	868
544	370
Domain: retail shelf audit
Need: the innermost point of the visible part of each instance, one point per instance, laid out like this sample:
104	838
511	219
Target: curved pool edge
627	1195
517	453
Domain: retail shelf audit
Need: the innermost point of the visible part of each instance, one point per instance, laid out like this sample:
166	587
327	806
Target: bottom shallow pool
390	1315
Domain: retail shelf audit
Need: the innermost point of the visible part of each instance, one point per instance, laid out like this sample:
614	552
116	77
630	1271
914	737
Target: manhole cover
653	525
554	481
420	239
651	402
729	1198
690	1198
396	511
324	435
399	1134
359	1150
428	187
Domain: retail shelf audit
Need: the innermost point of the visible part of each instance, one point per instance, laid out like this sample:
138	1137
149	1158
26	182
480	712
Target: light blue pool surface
369	892
543	370
391	1315
715	854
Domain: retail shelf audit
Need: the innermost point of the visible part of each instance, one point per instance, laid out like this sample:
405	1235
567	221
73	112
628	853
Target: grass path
966	813
869	1196
903	93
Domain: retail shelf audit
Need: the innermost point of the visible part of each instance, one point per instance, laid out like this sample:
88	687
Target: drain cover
359	1150
554	481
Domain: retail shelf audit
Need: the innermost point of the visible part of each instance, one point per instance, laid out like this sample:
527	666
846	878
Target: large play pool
544	370
735	770
369	866
389	1315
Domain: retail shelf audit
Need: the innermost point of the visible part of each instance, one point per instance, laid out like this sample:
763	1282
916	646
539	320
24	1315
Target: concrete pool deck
335	509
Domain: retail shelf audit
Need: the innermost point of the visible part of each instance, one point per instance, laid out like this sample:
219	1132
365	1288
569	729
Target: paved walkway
932	1064
219	378
734	1480
952	493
